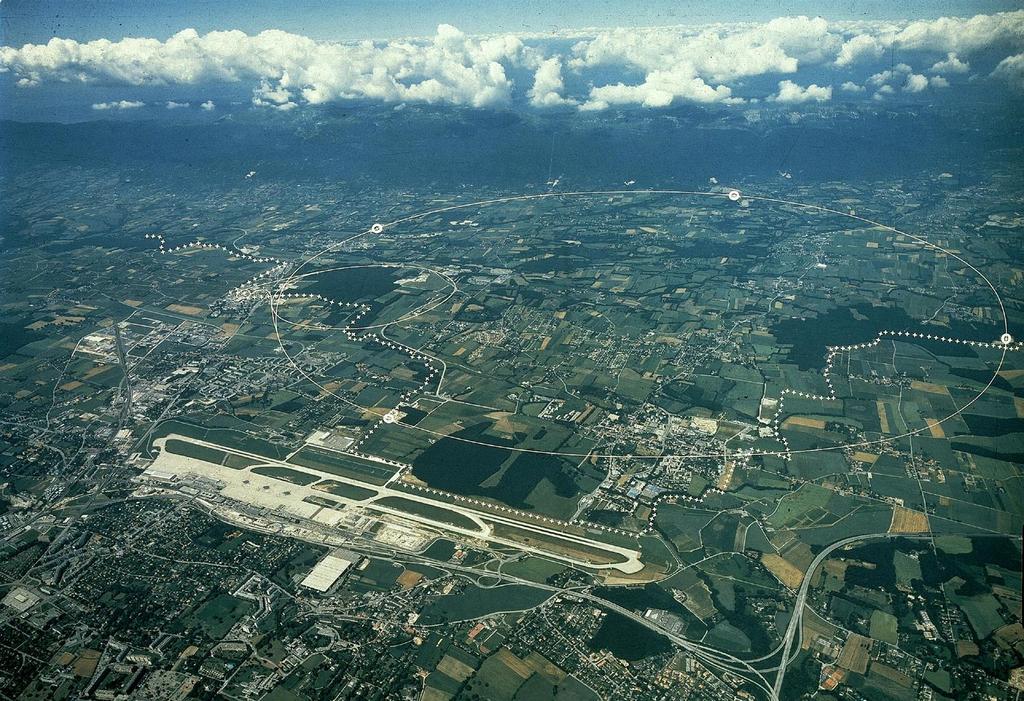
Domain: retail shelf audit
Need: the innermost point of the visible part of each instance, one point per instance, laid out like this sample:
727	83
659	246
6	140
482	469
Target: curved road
801	597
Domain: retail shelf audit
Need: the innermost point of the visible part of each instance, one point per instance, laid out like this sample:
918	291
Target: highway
777	659
122	356
801	597
707	655
793	630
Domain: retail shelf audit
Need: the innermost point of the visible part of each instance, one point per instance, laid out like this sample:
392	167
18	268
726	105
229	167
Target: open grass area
805	507
343	465
682	525
883	627
557	545
191	450
343	489
219	614
286	474
223	436
434	513
474	602
535	569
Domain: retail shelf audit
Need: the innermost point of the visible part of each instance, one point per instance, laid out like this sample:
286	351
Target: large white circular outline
603	193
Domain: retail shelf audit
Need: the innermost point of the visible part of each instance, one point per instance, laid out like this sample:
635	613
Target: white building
329	570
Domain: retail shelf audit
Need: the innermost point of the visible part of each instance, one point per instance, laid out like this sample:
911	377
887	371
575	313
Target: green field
982	610
805	507
883	626
475	602
349	491
192	450
219	614
343	465
728	637
239	462
535	569
907	568
434	513
682	525
285	474
224	436
556	545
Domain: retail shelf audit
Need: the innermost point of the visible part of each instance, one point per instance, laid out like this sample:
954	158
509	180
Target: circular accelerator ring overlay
1006	341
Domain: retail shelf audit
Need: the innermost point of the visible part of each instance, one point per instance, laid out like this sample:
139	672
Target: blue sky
35	21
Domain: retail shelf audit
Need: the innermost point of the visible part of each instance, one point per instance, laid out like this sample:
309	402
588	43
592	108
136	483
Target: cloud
937	81
962	35
915	83
660	89
118	105
651	67
548	85
897	71
450	67
859	48
682	64
208	106
1011	70
172	105
807	40
727	51
714	55
883	92
791	93
952	64
278	97
850	86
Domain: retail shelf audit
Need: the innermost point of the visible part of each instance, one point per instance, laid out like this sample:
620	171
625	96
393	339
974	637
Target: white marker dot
734	195
377	228
1006	339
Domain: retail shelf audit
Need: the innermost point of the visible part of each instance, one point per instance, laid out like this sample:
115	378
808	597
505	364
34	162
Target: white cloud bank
792	94
118	105
915	83
1011	69
548	85
451	67
709	64
660	89
862	47
951	64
